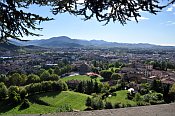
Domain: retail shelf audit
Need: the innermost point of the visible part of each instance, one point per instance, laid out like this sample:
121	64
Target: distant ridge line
64	41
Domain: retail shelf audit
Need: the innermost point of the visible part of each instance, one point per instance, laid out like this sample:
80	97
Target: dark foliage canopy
15	23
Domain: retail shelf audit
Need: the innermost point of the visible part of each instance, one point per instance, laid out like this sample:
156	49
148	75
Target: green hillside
57	101
121	97
80	78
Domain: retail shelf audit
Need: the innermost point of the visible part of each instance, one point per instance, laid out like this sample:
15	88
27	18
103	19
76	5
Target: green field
80	77
121	97
56	100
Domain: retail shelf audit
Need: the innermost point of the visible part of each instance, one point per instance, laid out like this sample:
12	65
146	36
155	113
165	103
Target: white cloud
139	18
143	18
80	1
169	23
169	9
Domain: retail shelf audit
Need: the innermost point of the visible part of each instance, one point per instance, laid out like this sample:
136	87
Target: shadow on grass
49	94
36	98
25	104
21	108
5	106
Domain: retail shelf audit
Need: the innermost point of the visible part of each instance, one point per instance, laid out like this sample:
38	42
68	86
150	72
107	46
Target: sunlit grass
121	97
80	78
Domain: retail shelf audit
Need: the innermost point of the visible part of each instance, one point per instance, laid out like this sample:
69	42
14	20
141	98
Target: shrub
113	89
117	105
142	103
153	98
64	108
143	91
128	105
97	103
122	105
88	102
108	105
130	96
137	97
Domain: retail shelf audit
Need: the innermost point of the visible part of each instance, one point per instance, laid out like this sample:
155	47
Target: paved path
154	110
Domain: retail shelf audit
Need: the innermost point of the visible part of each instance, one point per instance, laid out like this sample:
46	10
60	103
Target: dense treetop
15	23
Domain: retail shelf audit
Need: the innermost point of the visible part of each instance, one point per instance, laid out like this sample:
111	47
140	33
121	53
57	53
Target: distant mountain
64	41
8	46
54	42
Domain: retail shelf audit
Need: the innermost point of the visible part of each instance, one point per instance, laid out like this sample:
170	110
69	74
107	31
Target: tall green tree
57	70
14	95
106	74
45	76
54	77
3	78
166	95
80	87
24	79
172	90
115	76
51	71
172	93
97	89
90	87
157	86
88	102
32	78
3	91
15	79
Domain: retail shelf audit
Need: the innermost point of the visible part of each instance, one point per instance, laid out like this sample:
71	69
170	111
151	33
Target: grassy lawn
121	97
80	77
56	100
76	100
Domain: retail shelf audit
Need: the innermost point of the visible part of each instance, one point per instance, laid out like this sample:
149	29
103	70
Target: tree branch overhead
15	23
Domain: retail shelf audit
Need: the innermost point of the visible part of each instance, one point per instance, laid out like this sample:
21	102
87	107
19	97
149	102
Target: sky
154	29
